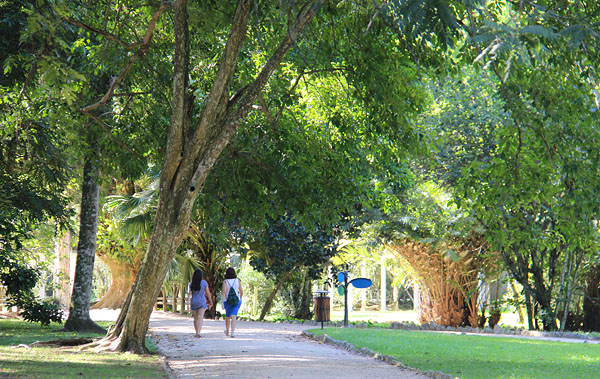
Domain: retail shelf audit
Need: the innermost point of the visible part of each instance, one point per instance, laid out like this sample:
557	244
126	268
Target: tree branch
265	109
263	104
379	8
181	58
127	46
236	111
226	66
106	128
254	88
115	80
141	45
30	73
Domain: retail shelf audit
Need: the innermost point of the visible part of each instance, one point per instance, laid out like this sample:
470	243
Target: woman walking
232	300
199	297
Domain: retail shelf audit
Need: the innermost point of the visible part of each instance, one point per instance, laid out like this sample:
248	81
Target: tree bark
191	152
517	304
396	297
79	311
302	298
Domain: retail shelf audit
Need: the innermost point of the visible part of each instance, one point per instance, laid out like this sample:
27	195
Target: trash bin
322	306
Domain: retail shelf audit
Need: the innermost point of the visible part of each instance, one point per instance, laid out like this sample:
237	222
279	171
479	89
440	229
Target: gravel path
259	350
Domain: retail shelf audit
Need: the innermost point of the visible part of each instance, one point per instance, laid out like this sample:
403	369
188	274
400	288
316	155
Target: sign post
342	277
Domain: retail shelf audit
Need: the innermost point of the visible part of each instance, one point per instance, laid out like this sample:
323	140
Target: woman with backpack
199	299
232	300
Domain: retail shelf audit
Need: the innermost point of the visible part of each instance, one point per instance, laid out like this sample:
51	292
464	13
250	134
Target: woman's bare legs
227	322
198	320
233	322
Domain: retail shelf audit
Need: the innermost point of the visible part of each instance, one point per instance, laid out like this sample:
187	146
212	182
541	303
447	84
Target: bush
19	280
43	312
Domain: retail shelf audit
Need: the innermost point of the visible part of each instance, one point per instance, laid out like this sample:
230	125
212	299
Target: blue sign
361	282
341	277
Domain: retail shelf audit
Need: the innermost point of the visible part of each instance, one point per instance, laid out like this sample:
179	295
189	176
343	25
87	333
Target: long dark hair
196	281
230	273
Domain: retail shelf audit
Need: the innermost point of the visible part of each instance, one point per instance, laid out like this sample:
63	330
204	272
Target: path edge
365	351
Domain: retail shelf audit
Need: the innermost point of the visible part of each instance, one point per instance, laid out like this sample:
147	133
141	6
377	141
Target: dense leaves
19	280
285	245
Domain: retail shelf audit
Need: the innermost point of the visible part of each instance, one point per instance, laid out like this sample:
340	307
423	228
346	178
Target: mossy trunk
79	311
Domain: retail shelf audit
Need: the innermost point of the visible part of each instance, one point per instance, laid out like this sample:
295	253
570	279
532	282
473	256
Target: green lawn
65	362
469	356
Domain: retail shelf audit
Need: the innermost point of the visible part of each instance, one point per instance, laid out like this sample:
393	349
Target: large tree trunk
79	311
122	278
190	155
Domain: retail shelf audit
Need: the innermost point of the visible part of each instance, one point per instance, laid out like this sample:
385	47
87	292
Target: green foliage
19	280
429	21
334	122
15	275
462	119
286	245
33	175
254	282
535	193
296	296
43	312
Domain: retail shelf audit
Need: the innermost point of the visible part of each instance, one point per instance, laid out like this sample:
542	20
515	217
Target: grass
470	356
65	362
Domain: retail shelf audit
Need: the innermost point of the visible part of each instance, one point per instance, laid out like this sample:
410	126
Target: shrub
19	280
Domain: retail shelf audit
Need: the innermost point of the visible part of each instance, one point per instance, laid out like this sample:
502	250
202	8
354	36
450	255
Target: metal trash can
322	309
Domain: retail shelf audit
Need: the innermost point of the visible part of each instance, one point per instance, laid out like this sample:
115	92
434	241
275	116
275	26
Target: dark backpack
232	297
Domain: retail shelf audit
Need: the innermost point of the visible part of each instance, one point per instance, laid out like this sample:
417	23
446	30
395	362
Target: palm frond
137	227
187	264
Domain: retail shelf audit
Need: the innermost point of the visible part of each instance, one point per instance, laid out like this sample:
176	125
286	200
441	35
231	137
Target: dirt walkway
259	350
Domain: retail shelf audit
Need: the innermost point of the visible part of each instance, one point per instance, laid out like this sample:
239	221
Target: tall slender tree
79	309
